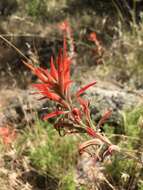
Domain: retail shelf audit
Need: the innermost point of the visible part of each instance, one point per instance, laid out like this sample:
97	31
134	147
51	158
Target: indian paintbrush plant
72	110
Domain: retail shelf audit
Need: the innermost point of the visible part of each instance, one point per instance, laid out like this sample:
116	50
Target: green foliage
140	186
56	156
126	168
37	8
131	121
50	154
67	182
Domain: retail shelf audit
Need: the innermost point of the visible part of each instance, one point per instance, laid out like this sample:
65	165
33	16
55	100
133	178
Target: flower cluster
98	51
72	110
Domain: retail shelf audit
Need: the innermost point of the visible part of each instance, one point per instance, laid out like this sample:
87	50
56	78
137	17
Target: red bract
66	30
77	115
56	81
4	131
93	37
85	108
83	89
53	114
64	26
7	135
104	118
91	132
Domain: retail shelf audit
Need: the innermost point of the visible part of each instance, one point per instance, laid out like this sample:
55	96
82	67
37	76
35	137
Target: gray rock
103	99
21	109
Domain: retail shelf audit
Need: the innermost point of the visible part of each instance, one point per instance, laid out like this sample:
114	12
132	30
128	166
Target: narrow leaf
53	114
41	86
104	118
51	95
53	70
81	91
91	132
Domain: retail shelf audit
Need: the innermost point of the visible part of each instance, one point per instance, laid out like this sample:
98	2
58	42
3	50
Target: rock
104	98
20	108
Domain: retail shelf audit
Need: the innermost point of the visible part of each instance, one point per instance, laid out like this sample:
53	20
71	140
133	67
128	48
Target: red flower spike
85	106
91	132
66	29
76	114
63	62
93	37
37	71
4	131
67	68
64	47
57	81
51	95
53	114
64	26
75	118
81	91
61	72
45	73
104	118
42	87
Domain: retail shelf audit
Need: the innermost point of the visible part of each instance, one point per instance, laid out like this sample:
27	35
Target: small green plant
125	170
52	155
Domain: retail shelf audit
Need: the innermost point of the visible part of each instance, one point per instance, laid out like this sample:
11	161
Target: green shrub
125	169
50	154
37	8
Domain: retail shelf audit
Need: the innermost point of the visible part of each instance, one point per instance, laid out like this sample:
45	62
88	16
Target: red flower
7	135
93	37
64	26
76	114
75	111
91	132
53	114
81	91
85	108
56	82
85	103
104	118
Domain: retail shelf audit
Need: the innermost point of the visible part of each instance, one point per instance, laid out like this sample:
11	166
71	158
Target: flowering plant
72	110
